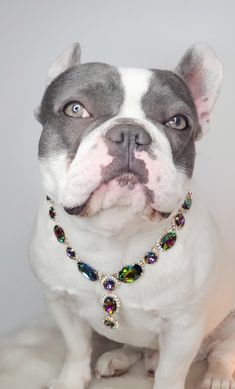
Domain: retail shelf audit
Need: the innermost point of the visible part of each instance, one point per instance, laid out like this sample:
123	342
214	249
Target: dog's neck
116	224
122	246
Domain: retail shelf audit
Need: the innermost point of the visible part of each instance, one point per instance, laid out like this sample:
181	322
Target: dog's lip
165	215
77	210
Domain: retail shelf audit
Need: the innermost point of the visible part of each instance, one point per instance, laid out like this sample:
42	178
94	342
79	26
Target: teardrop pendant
111	305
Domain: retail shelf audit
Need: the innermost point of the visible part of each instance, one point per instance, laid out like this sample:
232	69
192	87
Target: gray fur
97	86
166	97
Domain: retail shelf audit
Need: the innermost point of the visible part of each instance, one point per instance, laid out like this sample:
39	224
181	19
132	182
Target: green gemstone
59	233
130	273
168	240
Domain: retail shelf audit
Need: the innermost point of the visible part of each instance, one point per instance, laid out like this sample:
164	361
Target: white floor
32	357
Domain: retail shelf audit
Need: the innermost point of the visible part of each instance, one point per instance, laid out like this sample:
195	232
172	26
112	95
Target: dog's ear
202	72
70	57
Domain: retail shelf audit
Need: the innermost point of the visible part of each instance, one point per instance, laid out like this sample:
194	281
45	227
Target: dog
124	244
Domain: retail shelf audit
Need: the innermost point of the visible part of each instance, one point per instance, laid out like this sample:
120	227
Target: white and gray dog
128	248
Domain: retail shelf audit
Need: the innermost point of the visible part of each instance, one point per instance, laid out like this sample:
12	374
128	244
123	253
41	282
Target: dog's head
120	142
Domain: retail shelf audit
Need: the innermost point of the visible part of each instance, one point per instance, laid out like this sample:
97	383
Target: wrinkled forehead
92	81
104	88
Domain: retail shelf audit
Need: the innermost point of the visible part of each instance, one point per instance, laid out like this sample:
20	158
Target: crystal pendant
110	304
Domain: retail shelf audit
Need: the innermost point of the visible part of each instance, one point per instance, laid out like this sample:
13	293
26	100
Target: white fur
33	357
71	184
185	272
136	83
177	302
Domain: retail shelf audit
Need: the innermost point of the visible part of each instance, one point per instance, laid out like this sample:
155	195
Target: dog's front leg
179	344
76	372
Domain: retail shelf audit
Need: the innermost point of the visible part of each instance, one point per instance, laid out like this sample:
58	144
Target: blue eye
76	110
177	122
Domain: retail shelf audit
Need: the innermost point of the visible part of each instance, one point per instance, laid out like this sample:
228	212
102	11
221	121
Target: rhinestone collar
128	274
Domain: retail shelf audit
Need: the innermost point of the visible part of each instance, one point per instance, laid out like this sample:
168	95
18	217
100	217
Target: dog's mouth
125	180
80	210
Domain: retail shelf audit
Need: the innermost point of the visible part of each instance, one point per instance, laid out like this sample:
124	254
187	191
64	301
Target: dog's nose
128	135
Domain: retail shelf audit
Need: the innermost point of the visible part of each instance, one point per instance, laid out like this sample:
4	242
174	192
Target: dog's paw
112	363
217	383
151	358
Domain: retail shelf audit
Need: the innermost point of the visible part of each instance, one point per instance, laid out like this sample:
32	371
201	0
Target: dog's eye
178	122
75	110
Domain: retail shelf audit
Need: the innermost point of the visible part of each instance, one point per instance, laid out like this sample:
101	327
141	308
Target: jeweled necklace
129	273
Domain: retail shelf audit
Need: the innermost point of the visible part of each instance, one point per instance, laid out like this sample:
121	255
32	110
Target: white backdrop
148	33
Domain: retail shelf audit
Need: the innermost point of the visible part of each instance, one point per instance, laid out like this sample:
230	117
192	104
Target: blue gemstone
88	271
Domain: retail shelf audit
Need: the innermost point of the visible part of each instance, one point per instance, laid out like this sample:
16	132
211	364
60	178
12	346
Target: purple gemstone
109	284
70	252
110	305
151	258
179	220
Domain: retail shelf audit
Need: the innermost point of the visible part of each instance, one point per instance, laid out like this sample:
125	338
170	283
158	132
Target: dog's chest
140	302
139	320
143	303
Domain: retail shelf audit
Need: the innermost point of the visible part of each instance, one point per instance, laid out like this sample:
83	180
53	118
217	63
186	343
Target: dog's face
120	141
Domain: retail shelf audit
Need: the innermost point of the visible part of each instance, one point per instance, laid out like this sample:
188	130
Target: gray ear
202	71
70	57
